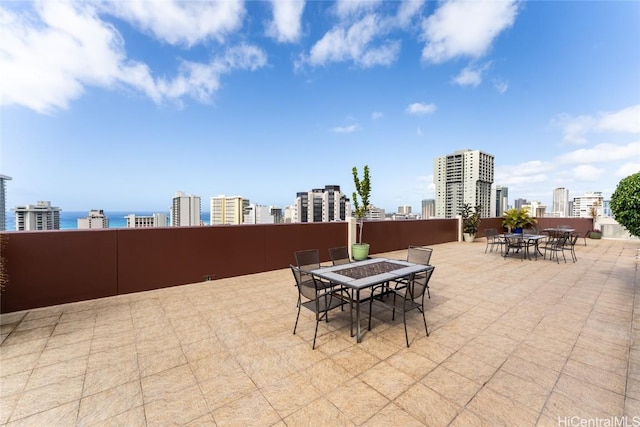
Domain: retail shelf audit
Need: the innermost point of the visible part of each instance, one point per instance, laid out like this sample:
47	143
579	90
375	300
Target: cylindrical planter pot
360	251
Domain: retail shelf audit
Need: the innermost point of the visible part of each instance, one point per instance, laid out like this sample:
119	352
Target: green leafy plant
517	218
363	189
470	218
625	203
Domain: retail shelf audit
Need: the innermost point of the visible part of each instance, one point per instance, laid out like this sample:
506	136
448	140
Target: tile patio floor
512	343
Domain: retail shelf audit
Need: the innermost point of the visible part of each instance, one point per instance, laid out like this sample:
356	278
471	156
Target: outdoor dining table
366	274
528	238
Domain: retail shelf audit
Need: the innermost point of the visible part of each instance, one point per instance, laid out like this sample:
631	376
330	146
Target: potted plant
516	219
470	221
594	233
360	251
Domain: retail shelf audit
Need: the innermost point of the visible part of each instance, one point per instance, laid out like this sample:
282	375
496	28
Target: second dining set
395	285
555	241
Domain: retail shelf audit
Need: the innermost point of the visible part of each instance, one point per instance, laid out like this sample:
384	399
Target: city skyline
109	106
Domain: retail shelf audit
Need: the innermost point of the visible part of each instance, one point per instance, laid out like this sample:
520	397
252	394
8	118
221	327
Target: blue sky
118	105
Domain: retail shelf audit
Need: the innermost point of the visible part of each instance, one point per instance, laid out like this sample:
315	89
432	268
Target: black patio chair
339	255
516	246
314	295
555	245
410	297
416	255
493	240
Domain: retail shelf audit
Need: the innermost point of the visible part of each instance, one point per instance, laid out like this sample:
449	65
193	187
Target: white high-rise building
582	205
227	210
560	203
3	201
147	221
463	177
326	204
259	214
42	216
185	210
95	219
404	210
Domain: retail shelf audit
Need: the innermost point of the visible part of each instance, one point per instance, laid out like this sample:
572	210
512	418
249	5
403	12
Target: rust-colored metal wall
56	267
50	268
386	236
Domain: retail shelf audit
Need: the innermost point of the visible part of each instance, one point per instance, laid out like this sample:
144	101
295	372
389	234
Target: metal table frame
356	285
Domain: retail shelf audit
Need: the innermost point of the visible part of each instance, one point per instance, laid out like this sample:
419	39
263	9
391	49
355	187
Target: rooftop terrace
512	343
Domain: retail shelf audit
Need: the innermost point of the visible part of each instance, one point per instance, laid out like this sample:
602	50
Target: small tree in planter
594	233
360	250
470	221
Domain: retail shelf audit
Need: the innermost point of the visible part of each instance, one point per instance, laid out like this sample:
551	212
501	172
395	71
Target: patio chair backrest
339	255
418	284
305	283
308	260
419	255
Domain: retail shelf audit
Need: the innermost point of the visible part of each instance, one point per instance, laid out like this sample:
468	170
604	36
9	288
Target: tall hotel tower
3	201
227	210
463	177
560	202
185	210
42	216
326	204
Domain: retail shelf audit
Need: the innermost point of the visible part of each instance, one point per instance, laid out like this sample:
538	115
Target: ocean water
69	219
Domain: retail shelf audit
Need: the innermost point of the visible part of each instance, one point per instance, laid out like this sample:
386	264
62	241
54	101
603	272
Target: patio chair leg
404	320
297	317
425	322
313	347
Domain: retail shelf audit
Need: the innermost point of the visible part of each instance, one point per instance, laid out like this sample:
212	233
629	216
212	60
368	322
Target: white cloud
285	26
181	22
345	129
348	8
602	153
626	120
465	28
471	75
628	169
586	173
354	43
501	86
49	55
418	108
407	10
376	115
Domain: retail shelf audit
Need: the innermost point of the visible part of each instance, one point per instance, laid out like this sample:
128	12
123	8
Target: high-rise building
536	209
227	210
322	205
185	210
3	201
95	219
582	205
499	200
428	208
404	210
42	216
560	203
519	203
147	221
463	177
261	214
